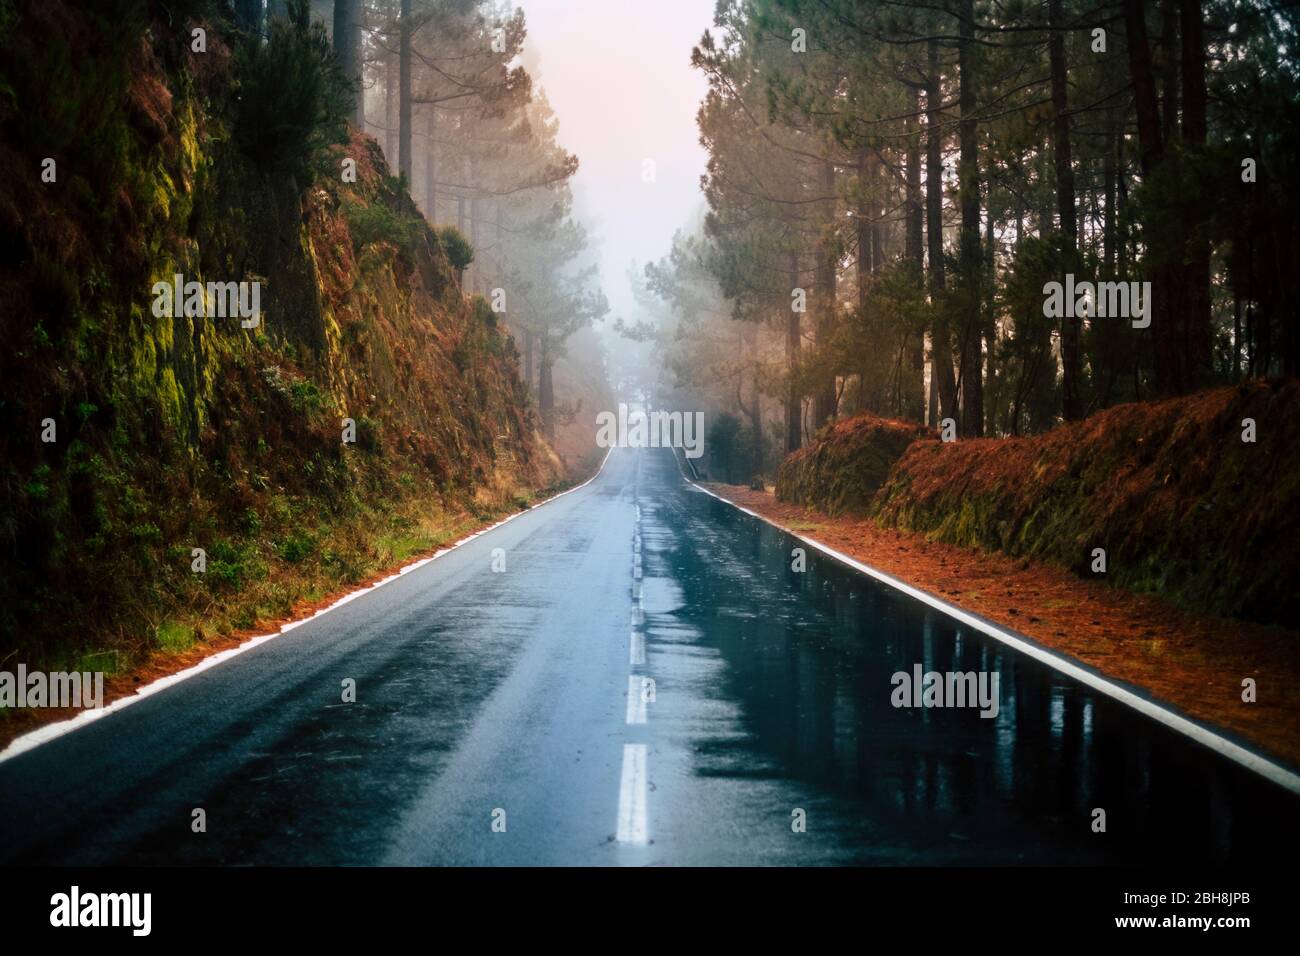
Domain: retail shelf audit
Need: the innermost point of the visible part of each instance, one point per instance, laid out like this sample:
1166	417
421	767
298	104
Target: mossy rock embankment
135	441
1181	504
840	471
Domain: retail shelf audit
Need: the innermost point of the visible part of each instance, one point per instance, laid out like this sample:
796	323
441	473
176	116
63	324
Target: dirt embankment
1181	504
843	468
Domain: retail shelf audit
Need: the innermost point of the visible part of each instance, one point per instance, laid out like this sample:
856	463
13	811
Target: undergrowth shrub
455	247
378	223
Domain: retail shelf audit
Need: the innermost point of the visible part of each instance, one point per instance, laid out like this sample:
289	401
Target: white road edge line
42	735
631	796
1247	758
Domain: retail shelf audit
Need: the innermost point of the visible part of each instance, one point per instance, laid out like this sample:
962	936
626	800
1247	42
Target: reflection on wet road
789	704
647	682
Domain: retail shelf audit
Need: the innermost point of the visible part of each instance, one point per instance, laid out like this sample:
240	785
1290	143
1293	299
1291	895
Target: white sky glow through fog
619	77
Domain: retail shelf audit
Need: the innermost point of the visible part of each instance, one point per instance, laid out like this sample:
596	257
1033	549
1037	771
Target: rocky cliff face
367	411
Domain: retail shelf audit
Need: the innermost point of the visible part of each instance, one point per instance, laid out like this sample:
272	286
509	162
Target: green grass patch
398	547
173	637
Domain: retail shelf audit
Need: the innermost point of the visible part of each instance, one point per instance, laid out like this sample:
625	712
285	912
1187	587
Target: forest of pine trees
892	185
440	86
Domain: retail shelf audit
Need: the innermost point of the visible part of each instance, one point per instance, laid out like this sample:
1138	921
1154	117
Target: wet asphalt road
500	701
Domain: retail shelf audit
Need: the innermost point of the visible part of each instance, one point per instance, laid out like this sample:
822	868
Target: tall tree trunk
864	232
498	253
932	398
1169	69
825	401
876	211
391	83
461	225
914	246
347	47
1071	325
356	43
1121	203
1108	334
1198	334
990	328
404	93
864	262
914	251
1045	212
546	390
431	164
1193	69
476	268
1165	277
1236	337
941	373
968	184
1110	218
754	411
793	403
1150	140
529	338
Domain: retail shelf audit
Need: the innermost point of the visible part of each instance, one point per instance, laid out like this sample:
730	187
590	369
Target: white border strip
41	735
631	796
1249	759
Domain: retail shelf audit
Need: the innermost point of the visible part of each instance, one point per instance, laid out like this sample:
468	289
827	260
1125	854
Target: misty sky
618	74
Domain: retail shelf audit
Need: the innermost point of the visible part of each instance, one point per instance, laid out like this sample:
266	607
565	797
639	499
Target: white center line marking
637	654
635	699
631	796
